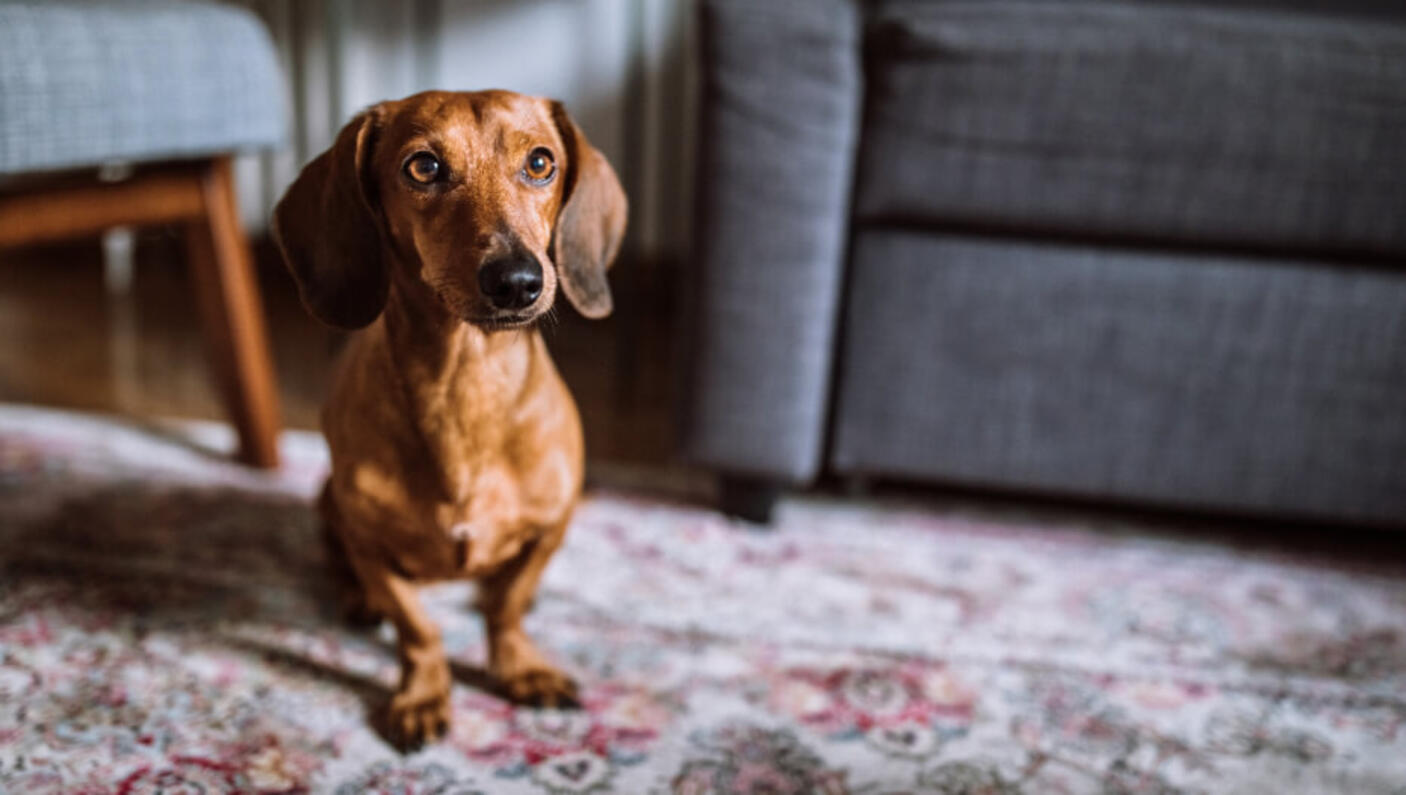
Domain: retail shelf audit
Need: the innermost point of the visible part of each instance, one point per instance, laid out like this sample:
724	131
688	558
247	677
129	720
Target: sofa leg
748	498
233	317
856	487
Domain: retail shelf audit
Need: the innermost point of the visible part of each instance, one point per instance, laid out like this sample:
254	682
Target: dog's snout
511	283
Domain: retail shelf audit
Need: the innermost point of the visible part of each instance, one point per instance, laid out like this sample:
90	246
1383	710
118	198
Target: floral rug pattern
166	626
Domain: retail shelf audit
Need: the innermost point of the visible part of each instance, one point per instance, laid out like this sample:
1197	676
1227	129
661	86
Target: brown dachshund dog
443	223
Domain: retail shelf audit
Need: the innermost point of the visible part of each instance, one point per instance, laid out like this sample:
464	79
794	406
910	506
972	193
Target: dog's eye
539	166
424	168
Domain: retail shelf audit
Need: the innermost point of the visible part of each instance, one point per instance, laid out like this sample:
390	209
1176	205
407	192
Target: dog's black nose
511	283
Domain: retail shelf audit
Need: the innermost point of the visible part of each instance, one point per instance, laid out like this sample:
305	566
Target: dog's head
489	198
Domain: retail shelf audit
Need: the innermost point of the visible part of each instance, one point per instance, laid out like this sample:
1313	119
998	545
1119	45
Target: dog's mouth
504	321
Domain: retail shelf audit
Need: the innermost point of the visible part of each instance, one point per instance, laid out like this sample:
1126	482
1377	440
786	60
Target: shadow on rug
166	625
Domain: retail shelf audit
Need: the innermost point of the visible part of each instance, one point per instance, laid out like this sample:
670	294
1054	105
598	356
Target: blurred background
105	321
1135	253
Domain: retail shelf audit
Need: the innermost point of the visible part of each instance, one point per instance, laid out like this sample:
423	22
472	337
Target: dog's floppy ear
328	227
591	222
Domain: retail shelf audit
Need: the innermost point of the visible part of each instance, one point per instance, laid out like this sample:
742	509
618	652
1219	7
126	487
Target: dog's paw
525	675
542	686
419	712
412	722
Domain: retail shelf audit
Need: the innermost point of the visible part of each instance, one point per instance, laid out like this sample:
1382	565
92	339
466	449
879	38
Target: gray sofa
1142	251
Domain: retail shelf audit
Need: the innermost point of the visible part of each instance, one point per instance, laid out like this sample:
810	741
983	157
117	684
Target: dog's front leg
513	658
419	710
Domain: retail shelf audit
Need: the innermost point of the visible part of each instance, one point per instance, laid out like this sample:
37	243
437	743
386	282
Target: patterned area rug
165	626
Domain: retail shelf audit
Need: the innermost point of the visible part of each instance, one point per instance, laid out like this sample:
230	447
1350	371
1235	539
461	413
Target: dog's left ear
590	223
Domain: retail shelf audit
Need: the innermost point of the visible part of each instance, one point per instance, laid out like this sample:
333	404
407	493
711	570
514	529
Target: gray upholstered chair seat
87	83
148	82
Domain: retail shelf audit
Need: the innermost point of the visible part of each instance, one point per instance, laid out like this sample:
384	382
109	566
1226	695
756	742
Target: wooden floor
68	341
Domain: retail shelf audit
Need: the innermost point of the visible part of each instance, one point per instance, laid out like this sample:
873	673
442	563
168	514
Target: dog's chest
498	504
463	467
506	467
464	412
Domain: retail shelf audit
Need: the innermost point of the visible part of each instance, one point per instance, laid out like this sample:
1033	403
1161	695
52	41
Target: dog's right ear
328	227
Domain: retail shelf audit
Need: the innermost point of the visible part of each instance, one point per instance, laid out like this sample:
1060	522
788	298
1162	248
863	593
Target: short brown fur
456	448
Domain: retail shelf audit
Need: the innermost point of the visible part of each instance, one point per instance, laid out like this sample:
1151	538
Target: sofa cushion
86	83
1137	120
1250	384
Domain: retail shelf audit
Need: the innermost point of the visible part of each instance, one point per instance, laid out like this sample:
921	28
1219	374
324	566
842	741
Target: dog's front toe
543	687
412	722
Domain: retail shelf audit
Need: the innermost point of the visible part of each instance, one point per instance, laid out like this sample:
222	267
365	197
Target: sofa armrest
781	92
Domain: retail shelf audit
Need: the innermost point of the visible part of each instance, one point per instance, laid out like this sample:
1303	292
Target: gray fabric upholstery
1069	271
1383	10
86	83
1247	384
780	108
1138	121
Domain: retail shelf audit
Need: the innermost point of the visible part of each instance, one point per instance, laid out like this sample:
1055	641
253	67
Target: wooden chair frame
199	195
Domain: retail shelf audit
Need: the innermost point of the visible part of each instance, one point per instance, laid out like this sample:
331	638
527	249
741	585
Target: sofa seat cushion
1242	128
1255	384
86	83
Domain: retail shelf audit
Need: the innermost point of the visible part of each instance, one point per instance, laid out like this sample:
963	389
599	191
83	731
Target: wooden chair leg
228	294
